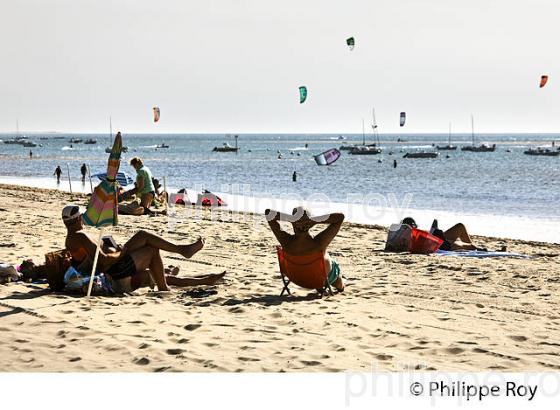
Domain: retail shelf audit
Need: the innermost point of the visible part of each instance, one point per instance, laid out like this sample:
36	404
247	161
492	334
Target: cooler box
423	242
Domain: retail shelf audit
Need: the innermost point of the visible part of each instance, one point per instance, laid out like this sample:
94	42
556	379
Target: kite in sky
302	94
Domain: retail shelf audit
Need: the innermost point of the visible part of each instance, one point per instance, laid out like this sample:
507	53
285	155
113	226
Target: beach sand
398	312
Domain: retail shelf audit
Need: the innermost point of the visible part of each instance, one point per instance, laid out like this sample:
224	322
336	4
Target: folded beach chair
306	271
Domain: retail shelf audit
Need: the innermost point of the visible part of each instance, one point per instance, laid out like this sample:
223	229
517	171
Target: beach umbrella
102	207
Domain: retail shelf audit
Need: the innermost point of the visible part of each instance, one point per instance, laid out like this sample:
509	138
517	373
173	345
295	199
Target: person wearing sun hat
129	266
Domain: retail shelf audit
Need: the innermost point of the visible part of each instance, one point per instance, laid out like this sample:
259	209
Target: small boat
76	140
44	138
347	147
369	149
365	150
226	147
447	147
90	141
545	152
422	154
163	145
122	178
480	148
29	144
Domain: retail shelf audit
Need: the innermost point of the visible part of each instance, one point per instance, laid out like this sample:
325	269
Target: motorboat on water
226	147
162	145
540	151
365	150
76	140
422	154
479	148
90	141
29	144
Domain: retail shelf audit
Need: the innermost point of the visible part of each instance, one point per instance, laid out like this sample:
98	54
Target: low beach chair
306	271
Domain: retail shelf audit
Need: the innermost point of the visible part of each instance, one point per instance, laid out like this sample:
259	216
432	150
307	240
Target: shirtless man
130	266
303	243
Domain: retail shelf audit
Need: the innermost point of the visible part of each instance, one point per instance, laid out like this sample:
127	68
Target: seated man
132	265
302	243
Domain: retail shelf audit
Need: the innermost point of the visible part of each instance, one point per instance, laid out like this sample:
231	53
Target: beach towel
481	254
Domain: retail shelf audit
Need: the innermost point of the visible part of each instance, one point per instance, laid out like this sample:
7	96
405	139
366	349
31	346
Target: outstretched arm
273	217
334	221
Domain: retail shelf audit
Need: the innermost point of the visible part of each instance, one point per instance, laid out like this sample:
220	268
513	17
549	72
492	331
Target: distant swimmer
279	156
306	145
58	173
394	163
30	154
83	170
379	161
294	176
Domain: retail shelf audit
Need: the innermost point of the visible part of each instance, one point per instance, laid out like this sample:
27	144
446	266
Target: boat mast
374	126
472	128
449	140
17	127
110	131
363	133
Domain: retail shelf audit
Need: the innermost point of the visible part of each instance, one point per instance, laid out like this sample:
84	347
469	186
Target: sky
218	66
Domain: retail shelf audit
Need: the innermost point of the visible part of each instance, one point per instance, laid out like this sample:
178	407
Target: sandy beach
398	311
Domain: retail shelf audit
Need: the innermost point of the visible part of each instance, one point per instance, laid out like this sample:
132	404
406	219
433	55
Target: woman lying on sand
133	265
302	243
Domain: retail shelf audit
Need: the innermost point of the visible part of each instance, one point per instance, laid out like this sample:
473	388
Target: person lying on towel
303	243
133	265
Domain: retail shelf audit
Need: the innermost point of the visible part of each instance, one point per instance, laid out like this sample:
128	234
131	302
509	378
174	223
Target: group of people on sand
138	263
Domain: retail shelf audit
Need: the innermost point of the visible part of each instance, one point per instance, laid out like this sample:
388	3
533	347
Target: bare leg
142	239
457	235
194	281
149	258
146	200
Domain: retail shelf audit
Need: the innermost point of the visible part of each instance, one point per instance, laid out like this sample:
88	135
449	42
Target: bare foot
188	251
212	279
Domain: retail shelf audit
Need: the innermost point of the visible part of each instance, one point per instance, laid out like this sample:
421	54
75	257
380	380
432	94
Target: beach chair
306	271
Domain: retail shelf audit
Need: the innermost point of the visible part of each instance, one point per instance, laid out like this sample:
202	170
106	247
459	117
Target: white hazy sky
235	66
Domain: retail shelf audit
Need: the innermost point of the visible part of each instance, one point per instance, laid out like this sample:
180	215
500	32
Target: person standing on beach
58	173
30	154
130	266
294	176
83	170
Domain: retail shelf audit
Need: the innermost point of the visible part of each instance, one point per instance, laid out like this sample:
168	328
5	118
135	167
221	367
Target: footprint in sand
455	350
142	361
174	352
75	359
192	327
518	338
384	357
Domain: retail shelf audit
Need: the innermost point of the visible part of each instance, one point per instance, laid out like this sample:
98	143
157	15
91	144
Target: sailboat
480	148
18	139
447	147
110	147
370	149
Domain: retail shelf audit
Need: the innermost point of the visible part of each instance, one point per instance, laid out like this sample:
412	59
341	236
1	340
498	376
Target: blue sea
490	189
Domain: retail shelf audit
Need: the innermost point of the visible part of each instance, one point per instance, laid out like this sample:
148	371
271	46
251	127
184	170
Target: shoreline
487	225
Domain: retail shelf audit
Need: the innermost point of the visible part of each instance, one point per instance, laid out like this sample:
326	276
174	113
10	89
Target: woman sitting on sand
133	265
144	187
302	243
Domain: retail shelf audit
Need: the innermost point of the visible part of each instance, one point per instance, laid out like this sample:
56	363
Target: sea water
499	194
